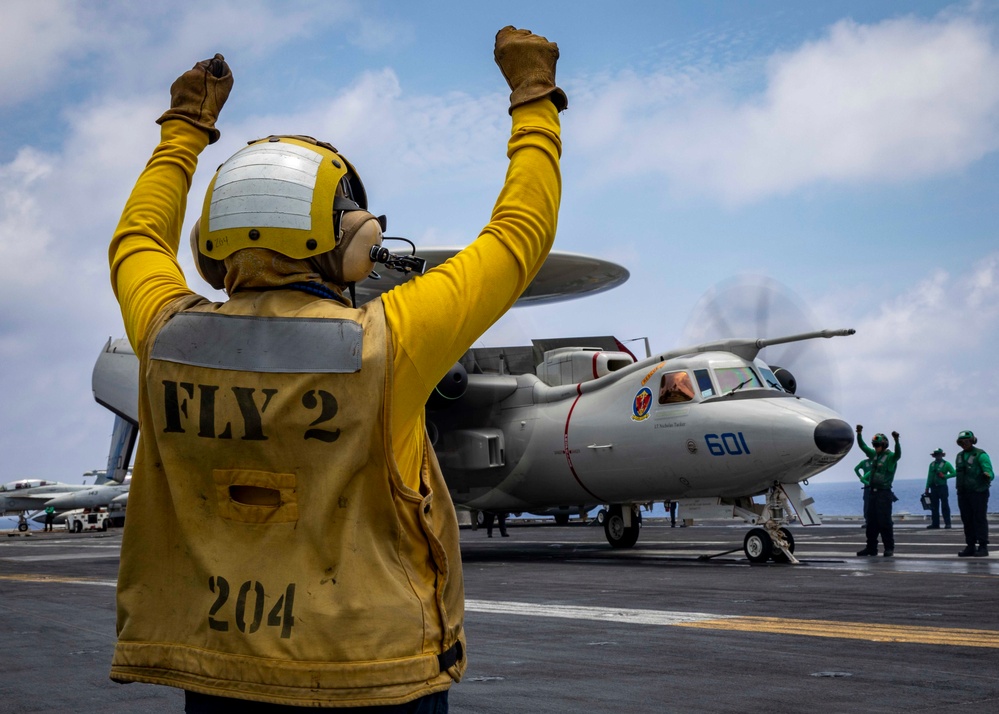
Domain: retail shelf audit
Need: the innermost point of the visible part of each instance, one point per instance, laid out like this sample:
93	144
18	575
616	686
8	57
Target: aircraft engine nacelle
786	379
572	365
451	387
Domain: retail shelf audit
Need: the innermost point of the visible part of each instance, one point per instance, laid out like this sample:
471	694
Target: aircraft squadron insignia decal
642	404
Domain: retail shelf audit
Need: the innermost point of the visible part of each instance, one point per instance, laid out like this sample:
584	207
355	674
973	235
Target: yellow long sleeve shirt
432	319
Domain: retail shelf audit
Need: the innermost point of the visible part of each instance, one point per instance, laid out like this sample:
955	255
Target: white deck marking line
626	616
42	558
872	632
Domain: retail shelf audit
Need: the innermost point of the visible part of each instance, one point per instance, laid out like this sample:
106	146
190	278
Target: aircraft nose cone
834	436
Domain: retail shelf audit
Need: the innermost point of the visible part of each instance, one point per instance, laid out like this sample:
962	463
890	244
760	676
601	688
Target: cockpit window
704	382
733	378
675	387
770	378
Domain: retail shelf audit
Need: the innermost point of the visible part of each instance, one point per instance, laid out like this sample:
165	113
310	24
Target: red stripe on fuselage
565	445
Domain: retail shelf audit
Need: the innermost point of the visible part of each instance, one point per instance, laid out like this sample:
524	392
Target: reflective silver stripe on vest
261	344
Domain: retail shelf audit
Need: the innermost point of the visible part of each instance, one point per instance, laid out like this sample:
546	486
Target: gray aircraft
31	494
96	496
570	424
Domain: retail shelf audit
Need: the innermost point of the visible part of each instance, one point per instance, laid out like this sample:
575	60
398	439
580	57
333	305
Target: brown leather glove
527	62
197	95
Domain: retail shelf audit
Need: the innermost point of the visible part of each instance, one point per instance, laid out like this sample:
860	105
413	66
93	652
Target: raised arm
435	318
145	273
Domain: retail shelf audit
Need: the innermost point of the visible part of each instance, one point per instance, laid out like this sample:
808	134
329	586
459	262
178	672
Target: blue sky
843	151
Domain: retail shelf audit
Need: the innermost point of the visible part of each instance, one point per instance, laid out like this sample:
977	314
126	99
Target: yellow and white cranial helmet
283	193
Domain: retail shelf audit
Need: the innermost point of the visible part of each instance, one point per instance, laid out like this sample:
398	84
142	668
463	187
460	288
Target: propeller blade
738	306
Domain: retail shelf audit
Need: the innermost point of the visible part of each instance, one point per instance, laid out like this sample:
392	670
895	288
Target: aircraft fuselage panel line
871	632
568	453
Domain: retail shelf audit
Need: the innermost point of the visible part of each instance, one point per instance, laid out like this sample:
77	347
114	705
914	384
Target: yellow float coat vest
281	557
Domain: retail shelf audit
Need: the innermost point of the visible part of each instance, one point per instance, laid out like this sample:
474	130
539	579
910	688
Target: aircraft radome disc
564	276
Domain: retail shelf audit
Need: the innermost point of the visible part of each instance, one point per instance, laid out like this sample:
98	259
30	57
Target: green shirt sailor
883	461
940	470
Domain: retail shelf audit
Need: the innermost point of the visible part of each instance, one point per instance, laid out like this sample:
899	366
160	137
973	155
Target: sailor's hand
894	435
527	62
860	428
197	95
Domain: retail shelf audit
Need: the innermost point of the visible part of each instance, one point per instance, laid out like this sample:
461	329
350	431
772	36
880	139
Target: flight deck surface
558	621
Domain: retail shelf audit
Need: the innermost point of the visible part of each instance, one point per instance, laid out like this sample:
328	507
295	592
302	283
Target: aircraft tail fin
116	386
115	380
122	443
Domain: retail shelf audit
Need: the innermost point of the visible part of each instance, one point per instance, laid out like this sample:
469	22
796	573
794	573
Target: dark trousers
490	518
939	503
974	508
672	514
879	522
195	703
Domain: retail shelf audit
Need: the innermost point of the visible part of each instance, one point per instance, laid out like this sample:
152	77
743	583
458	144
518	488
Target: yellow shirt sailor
290	537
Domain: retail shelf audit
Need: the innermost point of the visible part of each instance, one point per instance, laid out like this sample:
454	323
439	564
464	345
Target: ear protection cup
329	265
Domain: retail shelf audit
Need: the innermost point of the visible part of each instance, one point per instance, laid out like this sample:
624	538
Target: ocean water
840	498
846	498
835	498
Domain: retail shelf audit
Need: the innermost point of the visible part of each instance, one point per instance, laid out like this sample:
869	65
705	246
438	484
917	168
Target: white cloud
888	102
920	362
411	150
22	236
252	27
983	288
37	39
43	42
943	318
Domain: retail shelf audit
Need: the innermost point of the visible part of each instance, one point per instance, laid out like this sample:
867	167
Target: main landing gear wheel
617	534
779	555
22	527
758	545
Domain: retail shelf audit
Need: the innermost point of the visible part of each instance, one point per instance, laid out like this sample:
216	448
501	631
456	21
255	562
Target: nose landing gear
772	540
760	546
